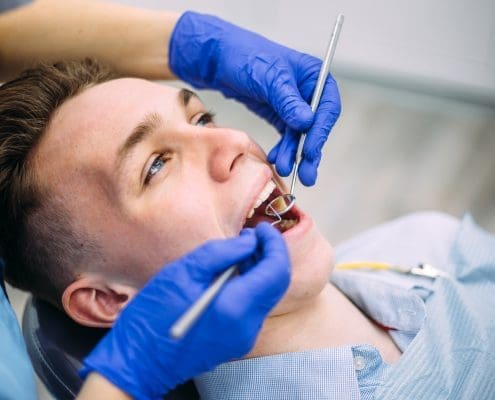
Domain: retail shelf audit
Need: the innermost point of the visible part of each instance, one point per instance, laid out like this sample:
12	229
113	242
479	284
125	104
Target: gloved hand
140	357
275	82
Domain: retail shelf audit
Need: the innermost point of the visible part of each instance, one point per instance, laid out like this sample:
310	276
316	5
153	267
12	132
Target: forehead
88	128
111	107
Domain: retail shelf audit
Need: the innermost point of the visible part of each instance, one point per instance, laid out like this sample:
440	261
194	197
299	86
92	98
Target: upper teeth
267	190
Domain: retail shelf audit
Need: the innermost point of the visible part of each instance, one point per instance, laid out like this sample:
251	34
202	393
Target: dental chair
57	346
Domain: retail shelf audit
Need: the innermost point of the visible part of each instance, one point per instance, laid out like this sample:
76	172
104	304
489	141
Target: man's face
143	171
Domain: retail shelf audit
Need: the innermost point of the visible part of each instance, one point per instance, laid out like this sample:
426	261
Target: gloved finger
308	171
326	115
274	251
265	281
287	150
286	100
212	258
272	155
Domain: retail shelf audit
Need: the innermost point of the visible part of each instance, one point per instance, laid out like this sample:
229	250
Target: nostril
234	161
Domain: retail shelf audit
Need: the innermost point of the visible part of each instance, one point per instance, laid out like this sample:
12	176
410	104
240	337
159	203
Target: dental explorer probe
283	203
186	321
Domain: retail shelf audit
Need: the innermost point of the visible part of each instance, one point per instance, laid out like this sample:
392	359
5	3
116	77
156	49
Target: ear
93	301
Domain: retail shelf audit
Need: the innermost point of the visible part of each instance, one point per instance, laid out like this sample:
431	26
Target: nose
225	149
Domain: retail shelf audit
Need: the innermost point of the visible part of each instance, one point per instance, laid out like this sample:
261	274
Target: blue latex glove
140	357
275	82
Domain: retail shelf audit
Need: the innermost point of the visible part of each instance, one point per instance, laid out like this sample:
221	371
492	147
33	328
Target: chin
312	264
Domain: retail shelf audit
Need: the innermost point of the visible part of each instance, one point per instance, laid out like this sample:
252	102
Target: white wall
445	46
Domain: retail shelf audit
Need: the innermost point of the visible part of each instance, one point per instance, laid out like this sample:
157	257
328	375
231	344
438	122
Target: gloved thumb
215	256
286	100
263	282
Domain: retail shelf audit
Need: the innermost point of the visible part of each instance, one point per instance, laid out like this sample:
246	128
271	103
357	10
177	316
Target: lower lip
301	228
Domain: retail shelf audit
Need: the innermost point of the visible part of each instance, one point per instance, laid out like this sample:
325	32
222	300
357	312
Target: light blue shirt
16	373
444	326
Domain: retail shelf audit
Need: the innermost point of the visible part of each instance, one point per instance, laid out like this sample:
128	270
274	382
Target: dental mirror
283	203
280	205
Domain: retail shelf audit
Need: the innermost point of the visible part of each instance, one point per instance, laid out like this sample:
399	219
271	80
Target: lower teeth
287	223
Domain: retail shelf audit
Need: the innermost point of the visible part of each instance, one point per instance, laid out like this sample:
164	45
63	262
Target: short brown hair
36	237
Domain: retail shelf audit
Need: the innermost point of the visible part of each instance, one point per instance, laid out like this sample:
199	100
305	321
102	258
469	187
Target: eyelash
205	119
162	158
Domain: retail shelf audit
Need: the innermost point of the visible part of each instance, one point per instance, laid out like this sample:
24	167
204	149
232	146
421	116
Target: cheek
179	226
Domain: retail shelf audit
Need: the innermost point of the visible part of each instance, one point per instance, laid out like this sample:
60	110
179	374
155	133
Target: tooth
267	190
265	193
287	223
279	204
251	213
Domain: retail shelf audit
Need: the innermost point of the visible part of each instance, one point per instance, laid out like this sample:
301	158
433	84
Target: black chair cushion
57	346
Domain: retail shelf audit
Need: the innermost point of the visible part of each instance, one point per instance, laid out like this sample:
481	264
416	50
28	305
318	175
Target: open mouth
257	213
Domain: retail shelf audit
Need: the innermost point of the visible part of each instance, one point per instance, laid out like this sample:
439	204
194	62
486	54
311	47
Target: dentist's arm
138	357
131	40
273	81
97	387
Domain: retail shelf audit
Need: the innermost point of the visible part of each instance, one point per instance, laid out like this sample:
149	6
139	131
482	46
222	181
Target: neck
330	320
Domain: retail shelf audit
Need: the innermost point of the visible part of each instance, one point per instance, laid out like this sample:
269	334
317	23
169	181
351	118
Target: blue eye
206	118
155	167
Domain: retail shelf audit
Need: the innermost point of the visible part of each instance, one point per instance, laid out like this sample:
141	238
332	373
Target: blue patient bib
16	373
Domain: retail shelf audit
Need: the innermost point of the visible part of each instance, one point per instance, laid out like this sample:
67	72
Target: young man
119	367
161	45
136	174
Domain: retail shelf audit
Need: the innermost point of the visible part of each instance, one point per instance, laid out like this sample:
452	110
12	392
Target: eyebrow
185	95
141	131
147	126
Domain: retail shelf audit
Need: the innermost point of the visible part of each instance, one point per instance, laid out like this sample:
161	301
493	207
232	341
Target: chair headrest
57	345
